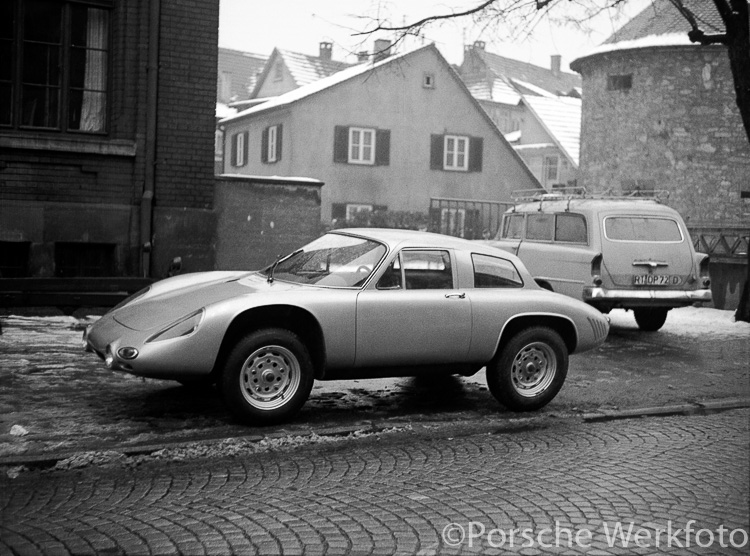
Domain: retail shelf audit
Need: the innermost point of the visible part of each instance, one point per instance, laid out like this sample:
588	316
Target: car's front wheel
267	377
530	370
650	319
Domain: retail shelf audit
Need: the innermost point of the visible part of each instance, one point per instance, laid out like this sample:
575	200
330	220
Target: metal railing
465	218
722	243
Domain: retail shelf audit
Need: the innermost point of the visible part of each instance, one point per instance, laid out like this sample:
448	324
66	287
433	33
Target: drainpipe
152	96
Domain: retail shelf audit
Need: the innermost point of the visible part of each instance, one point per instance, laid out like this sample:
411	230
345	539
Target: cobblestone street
567	488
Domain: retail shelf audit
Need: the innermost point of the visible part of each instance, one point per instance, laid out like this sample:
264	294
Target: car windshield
331	260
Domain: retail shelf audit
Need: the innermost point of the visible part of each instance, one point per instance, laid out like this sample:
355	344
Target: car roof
398	239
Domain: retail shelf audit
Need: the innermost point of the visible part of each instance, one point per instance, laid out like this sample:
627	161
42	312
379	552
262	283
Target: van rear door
646	252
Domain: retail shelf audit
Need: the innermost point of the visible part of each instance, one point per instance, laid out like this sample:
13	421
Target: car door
414	315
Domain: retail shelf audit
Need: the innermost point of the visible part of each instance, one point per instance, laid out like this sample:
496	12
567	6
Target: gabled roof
492	88
557	83
332	81
244	68
660	24
304	68
561	118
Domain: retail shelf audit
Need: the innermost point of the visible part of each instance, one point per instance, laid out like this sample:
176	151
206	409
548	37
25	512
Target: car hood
174	298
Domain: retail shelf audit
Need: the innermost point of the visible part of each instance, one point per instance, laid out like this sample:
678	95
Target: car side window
494	272
571	228
427	270
513	226
540	226
391	278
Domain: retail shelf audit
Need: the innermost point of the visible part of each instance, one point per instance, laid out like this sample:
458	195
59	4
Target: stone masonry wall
677	128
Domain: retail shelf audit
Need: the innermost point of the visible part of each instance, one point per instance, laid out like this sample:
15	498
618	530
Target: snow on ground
691	322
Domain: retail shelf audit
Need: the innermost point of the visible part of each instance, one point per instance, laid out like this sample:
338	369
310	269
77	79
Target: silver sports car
353	303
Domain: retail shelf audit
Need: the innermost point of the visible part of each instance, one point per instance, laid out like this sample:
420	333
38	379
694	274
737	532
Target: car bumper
645	298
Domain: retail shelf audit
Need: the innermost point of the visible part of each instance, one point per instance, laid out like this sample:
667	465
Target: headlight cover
183	327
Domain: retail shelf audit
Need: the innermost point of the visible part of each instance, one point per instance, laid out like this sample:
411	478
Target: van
626	252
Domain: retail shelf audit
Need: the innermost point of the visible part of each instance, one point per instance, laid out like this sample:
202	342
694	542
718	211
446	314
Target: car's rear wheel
650	319
267	377
530	370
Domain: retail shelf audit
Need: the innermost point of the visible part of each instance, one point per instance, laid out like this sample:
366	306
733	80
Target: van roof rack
579	192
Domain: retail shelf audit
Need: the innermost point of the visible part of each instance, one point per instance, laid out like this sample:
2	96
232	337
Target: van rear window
640	228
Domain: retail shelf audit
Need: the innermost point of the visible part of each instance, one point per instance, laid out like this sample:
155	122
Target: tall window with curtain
57	75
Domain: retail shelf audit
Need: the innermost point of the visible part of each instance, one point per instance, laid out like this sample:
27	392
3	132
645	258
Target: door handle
458	295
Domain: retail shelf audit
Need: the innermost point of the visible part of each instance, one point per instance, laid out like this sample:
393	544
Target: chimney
363	56
382	49
326	51
555	64
479	45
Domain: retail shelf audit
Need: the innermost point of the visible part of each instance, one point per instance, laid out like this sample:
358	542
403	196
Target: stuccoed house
391	134
660	113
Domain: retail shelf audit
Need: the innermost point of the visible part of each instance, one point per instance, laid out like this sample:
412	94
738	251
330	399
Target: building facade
107	120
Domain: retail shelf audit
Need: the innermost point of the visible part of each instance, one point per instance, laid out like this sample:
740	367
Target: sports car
353	303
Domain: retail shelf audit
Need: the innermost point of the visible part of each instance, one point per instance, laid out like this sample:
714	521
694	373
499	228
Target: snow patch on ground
691	322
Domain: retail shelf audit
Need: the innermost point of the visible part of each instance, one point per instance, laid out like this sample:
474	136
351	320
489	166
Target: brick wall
677	128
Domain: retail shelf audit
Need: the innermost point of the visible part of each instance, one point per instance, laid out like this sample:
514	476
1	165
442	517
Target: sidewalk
56	400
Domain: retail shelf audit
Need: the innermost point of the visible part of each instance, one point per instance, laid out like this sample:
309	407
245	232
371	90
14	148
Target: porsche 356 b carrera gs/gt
352	304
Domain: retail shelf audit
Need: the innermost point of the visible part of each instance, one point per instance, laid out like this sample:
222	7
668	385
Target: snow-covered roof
307	69
531	88
316	86
561	118
224	111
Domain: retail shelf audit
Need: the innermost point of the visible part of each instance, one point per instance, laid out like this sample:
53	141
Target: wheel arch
563	325
295	319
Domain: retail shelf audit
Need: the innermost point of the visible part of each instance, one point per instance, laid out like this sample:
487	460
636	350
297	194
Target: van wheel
530	370
267	377
650	319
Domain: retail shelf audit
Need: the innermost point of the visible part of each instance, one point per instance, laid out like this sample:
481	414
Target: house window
84	259
551	169
278	71
14	259
361	146
239	149
619	82
271	144
428	80
456	153
58	79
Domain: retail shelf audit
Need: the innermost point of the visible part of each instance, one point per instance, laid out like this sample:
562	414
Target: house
388	135
659	112
549	138
286	70
106	135
535	107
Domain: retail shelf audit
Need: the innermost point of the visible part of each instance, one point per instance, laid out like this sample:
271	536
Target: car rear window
642	228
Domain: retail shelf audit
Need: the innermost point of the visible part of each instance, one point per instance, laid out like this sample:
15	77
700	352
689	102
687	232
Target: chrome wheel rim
534	368
270	377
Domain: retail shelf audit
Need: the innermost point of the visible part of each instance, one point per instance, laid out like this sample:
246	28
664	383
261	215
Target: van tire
650	319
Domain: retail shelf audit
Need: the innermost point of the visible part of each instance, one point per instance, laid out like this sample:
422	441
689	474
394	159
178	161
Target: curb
696	408
517	424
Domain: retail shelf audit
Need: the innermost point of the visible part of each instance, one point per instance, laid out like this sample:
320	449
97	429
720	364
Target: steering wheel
363	269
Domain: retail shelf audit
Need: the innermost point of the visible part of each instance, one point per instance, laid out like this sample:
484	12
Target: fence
464	218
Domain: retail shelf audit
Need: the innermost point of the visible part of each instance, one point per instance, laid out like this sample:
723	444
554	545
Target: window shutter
475	154
382	147
436	152
264	146
278	142
338	210
244	145
234	149
341	146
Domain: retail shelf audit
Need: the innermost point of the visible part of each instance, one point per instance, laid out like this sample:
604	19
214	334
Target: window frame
360	146
271	153
547	166
66	89
450	156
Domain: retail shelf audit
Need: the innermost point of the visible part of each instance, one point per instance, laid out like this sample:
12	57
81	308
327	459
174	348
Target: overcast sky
300	25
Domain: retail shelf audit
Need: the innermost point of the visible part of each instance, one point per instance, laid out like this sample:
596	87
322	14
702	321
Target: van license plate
656	280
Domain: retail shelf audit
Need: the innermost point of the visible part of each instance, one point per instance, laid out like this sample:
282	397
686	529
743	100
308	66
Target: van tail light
596	270
703	270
